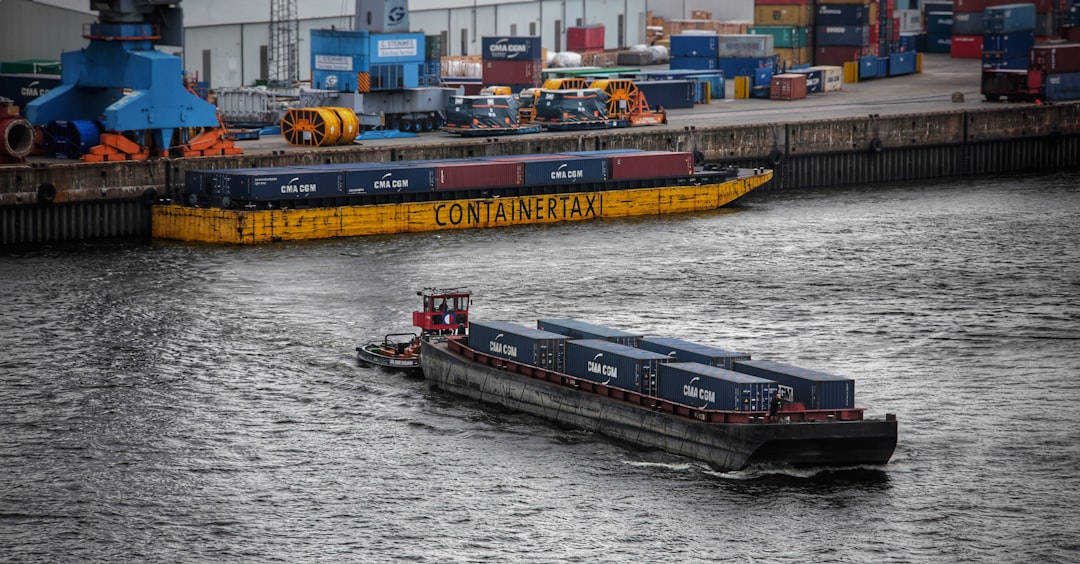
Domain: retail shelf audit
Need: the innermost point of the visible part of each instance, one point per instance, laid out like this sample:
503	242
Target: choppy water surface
172	402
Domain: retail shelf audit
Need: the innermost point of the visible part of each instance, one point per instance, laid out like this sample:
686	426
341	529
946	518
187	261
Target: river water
166	402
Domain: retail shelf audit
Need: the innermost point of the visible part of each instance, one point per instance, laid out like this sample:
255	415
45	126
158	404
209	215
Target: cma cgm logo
396	15
606	370
506	49
389	183
32	89
294	187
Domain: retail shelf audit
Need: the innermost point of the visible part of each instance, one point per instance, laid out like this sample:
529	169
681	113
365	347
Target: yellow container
784	14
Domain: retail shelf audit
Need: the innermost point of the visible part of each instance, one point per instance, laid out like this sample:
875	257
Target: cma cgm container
510	48
815	390
385	179
710	387
278	184
686	351
583	330
669	94
613	364
560	169
829	35
519	343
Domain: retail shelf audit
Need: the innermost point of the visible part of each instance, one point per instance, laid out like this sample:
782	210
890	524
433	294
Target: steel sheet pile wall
583	330
710	387
814	389
686	351
612	364
519	343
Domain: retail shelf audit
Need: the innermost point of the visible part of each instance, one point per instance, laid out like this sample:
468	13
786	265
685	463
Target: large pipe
16	139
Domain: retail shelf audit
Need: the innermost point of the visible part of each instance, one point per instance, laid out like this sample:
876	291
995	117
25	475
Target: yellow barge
242	217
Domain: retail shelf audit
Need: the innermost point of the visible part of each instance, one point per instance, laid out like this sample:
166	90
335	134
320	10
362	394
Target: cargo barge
684	398
251	206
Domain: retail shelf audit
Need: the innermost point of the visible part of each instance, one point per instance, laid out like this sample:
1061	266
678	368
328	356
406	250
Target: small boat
397	351
444	312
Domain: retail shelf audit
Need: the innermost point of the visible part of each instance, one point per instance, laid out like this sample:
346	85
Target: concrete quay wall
809	153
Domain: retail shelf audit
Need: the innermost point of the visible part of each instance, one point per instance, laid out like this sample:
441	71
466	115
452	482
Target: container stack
1009	37
790	23
845	31
1059	64
512	61
969	23
432	60
939	25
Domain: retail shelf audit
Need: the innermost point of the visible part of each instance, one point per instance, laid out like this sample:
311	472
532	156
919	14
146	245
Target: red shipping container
837	55
479	174
788	87
583	39
651	164
966	47
1041	6
512	72
1055	58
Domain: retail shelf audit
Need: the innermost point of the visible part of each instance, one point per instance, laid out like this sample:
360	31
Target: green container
30	66
790	37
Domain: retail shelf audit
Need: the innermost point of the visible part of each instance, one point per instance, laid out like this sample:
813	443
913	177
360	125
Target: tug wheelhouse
445	311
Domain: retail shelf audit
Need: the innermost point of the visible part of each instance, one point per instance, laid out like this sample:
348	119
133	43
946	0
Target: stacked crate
1009	36
939	31
512	61
1059	64
845	31
790	23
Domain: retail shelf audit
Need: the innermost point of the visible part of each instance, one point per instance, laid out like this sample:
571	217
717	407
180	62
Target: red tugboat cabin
446	311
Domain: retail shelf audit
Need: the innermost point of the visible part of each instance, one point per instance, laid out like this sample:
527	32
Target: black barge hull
725	446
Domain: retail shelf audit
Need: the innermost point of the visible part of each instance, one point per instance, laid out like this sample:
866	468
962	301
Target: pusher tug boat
445	312
685	398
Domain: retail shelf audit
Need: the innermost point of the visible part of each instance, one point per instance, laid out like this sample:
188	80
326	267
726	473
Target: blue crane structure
120	79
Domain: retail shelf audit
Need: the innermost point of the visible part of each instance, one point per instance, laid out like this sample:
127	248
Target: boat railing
792	412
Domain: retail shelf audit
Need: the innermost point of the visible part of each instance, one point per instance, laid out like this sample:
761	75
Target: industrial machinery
605	104
527	98
16	134
493	112
137	91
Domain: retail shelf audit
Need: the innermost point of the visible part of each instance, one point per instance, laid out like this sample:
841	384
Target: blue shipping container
743	66
938	43
518	343
939	23
967	23
693	63
842	14
814	389
510	48
1060	87
385	179
695	46
337	56
996	60
1009	18
613	364
842	35
686	351
668	94
582	330
711	387
911	41
566	170
1015	44
868	67
278	184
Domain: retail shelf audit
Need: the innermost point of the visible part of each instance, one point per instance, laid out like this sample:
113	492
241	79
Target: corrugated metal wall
31	30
